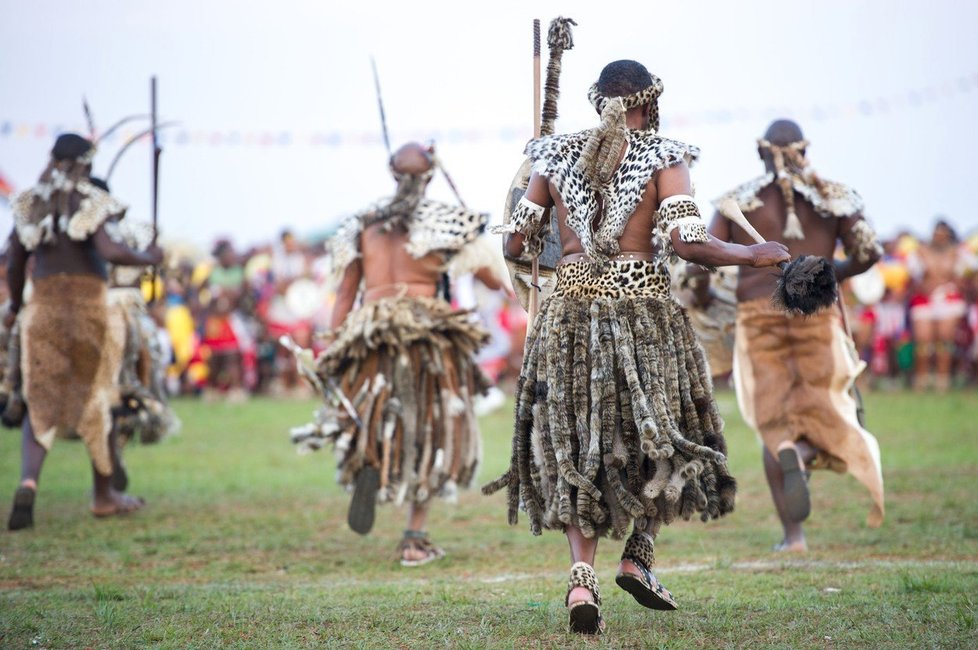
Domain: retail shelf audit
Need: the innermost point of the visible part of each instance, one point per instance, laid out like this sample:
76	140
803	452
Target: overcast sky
278	122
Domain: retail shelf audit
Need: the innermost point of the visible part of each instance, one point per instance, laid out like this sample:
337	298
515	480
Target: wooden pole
534	305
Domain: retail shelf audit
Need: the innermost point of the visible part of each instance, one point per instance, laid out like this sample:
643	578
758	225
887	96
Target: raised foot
116	504
644	587
22	513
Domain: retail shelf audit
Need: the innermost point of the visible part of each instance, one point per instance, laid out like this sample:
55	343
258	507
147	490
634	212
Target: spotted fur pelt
137	235
95	207
834	200
557	158
615	418
408	367
435	227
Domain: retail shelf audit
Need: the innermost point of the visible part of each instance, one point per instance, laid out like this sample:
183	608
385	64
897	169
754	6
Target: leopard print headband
648	95
645	96
599	158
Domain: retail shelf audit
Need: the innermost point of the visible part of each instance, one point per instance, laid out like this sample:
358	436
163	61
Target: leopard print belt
624	277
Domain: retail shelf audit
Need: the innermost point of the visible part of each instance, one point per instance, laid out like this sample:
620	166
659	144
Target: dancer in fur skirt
399	373
616	425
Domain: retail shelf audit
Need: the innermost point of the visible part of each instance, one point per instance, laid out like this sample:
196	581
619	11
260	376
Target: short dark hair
944	223
783	132
70	146
624	77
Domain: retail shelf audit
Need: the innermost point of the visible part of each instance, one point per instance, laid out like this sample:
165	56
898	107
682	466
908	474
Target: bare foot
416	551
116	503
627	566
579	595
797	546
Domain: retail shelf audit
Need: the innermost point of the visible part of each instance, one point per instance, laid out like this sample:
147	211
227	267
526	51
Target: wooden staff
534	305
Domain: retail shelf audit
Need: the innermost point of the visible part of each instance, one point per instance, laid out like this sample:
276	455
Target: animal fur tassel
559	38
807	283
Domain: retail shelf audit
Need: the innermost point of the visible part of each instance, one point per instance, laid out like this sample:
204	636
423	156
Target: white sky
460	72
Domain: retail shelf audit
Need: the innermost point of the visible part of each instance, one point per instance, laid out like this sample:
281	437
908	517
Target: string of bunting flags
183	136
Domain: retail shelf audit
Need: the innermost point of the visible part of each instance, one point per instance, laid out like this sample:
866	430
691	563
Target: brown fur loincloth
615	418
408	367
70	359
793	375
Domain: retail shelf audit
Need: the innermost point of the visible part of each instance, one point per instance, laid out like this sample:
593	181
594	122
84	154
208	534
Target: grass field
244	544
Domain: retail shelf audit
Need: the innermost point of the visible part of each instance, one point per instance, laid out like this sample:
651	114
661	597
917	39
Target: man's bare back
388	268
820	237
639	230
636	237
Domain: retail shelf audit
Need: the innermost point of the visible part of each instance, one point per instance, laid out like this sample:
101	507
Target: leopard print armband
861	243
680	211
528	220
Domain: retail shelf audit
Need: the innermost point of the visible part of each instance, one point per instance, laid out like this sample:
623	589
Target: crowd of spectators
915	314
225	313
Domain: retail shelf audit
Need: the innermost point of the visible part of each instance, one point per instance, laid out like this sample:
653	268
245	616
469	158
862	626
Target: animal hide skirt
406	366
615	419
70	358
793	376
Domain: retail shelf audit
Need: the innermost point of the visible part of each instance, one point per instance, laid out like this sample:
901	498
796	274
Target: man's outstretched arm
688	234
118	253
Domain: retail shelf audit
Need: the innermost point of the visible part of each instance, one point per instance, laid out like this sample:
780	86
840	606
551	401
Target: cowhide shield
519	270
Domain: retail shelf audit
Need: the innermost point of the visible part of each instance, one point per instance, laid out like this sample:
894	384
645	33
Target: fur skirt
407	367
70	359
616	424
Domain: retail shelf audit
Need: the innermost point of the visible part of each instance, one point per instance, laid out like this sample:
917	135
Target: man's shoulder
747	195
561	144
663	151
440	226
834	199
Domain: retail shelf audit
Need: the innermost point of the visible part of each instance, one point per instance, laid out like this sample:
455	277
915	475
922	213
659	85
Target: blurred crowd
915	314
226	311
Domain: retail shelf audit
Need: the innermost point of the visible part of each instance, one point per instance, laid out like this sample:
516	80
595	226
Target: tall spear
380	105
157	150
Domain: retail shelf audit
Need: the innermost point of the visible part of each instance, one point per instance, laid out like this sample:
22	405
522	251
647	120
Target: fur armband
861	243
680	211
344	245
528	220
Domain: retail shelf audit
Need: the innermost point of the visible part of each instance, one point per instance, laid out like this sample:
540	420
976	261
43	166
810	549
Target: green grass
244	545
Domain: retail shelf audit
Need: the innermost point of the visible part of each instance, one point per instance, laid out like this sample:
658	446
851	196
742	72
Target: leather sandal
643	586
417	540
585	615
